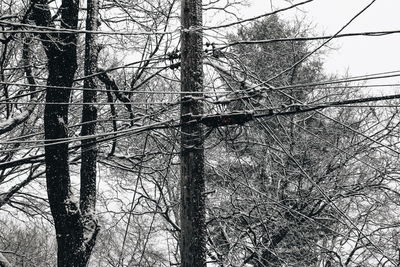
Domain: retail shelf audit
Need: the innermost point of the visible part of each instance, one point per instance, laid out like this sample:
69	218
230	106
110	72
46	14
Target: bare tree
76	228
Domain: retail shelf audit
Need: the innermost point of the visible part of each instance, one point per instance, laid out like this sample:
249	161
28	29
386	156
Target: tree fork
192	219
75	233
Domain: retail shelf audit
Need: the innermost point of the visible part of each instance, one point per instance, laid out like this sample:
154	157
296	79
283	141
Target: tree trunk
74	243
88	190
89	115
193	228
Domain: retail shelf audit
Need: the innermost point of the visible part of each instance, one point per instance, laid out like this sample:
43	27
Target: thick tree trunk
61	67
74	243
193	228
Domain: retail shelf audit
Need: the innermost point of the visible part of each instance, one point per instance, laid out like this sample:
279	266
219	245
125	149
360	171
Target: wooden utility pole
193	228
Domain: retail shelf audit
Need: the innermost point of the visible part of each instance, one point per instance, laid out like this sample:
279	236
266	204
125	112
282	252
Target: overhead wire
66	140
270	111
347	102
309	54
260	86
153	59
270	114
391	74
383	75
302	39
207	97
141	117
91	103
256	17
367	77
105	138
44	29
49	30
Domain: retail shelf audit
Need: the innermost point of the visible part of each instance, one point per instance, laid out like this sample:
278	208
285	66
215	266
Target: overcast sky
360	55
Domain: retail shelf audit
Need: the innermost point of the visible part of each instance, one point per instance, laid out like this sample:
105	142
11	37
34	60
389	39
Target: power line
315	38
391	74
142	117
374	76
50	30
244	116
332	104
153	59
259	87
322	45
106	137
240	117
90	103
256	17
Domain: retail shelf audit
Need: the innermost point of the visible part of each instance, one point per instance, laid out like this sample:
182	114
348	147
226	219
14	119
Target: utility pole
192	219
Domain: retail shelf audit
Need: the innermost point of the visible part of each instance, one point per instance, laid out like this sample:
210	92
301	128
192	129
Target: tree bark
89	114
74	243
88	190
193	228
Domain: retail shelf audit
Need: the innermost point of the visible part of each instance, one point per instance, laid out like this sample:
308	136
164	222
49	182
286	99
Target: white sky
360	55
